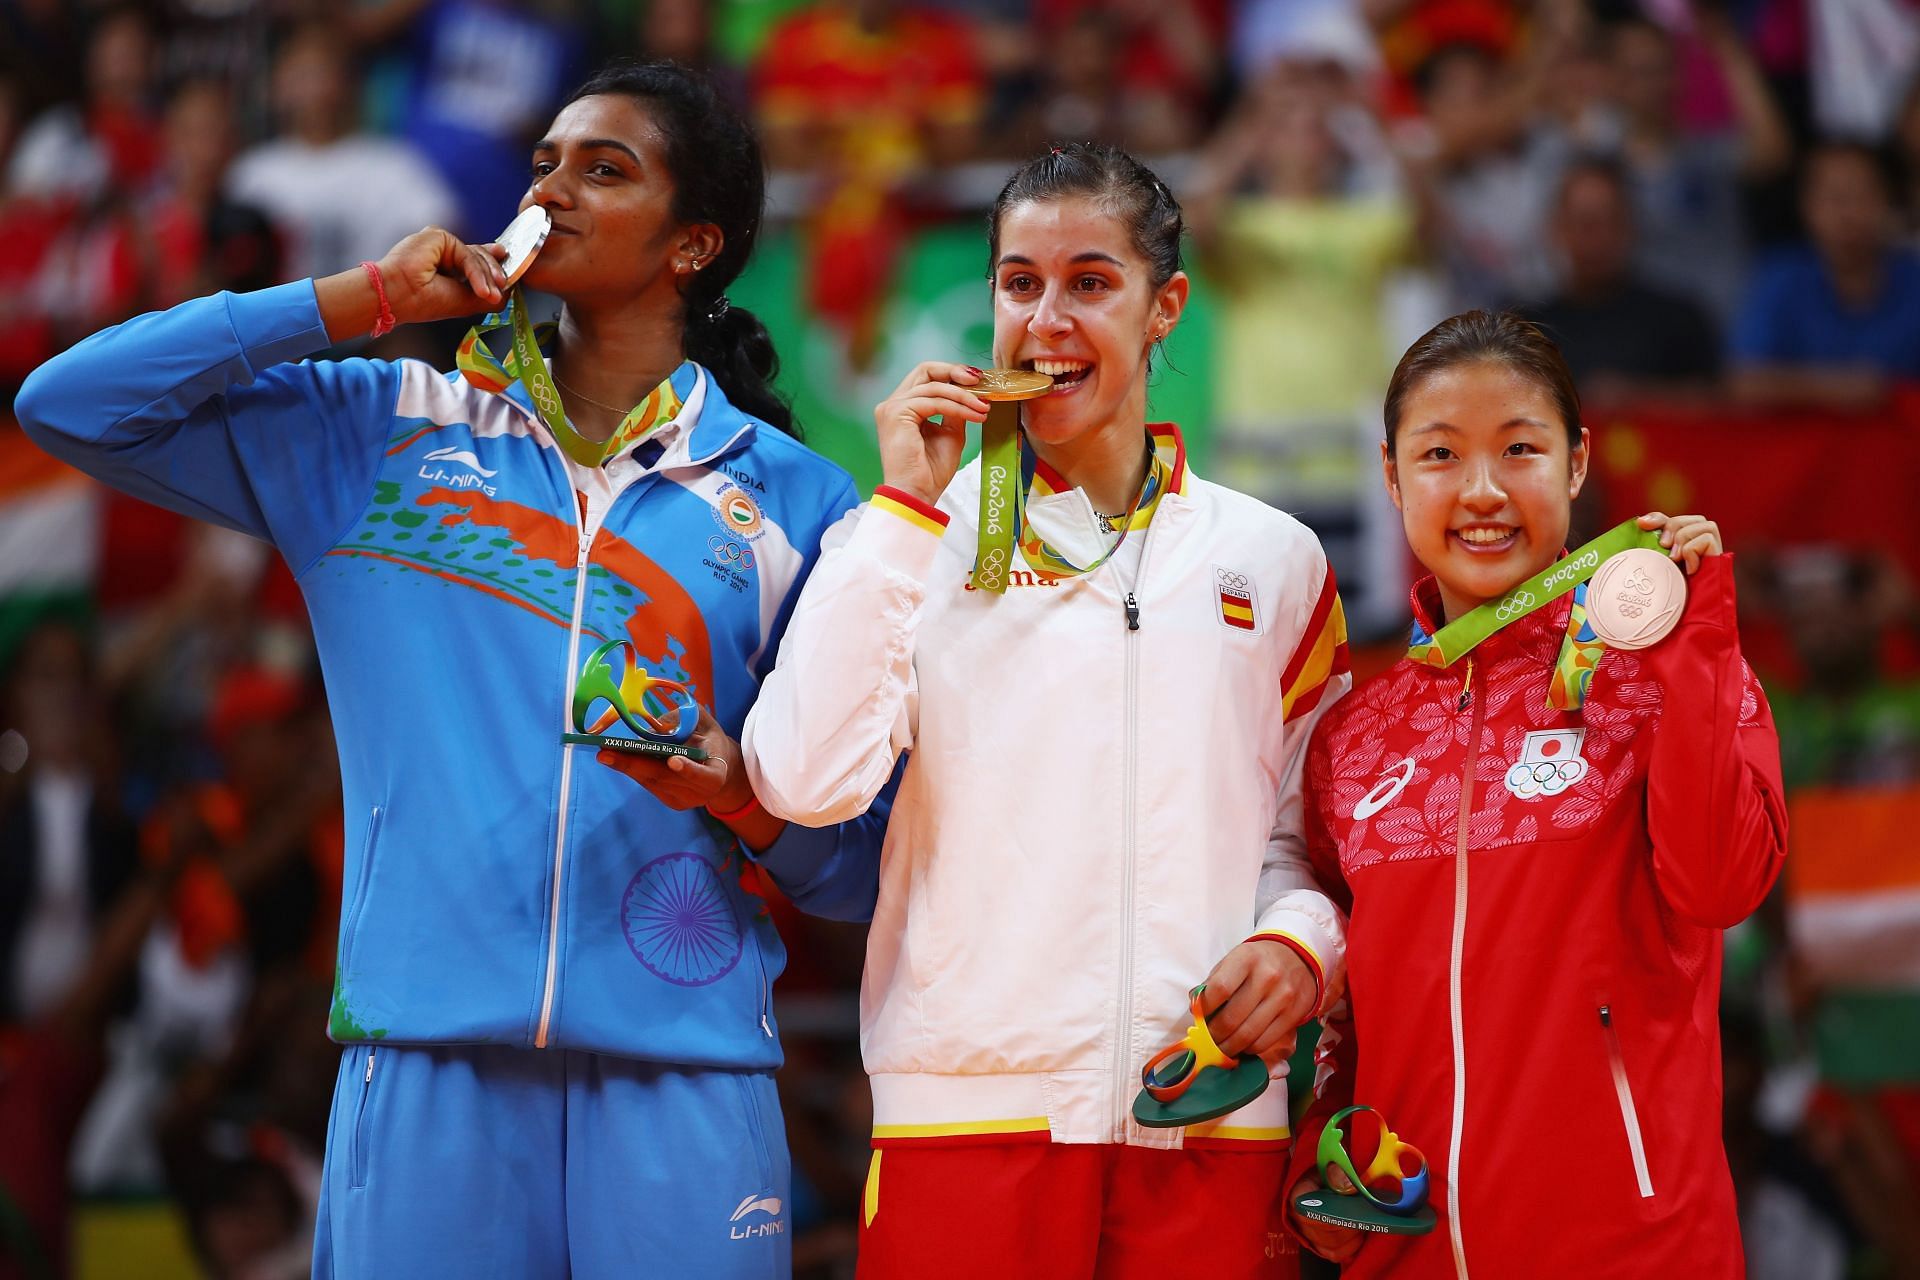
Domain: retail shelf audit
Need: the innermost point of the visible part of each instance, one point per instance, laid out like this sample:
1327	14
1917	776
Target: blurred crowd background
1714	205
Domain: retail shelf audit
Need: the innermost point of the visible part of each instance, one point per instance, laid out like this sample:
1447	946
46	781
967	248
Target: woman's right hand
923	427
1335	1244
433	275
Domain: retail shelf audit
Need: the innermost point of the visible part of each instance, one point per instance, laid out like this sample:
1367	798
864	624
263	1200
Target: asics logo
1391	784
465	457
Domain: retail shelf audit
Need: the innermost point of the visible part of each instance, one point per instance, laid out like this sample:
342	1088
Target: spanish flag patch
1234	595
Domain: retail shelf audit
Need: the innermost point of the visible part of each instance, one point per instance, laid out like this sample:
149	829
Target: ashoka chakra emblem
679	922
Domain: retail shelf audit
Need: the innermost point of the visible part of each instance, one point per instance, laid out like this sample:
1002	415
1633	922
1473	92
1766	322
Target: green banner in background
940	310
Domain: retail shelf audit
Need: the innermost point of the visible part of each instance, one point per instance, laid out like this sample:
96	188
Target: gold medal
522	240
1011	384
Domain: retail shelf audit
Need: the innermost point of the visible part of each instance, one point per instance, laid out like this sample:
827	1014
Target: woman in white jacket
1101	806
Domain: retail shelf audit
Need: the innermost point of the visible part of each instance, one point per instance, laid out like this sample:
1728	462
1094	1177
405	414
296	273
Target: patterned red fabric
1660	822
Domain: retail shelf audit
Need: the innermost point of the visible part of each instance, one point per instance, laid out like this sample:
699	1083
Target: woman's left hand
719	782
1688	539
1256	999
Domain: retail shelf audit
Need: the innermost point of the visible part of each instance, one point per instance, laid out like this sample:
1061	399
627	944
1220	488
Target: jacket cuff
1307	957
901	532
274	326
797	856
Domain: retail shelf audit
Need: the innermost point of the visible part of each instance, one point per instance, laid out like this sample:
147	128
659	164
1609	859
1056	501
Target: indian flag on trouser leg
1853	915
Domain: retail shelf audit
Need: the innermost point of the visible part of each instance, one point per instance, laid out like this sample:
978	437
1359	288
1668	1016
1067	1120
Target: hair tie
1059	151
718	311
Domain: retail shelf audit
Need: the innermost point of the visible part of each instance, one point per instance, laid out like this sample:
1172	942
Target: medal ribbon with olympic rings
524	363
1581	649
1388	1163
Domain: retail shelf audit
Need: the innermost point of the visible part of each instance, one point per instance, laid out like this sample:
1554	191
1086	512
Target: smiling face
1481	471
601	174
1074	297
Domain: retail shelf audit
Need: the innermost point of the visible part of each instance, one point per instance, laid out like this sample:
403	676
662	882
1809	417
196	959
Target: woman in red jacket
1534	968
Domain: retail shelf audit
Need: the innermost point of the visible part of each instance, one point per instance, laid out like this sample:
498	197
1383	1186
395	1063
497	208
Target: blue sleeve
197	410
833	872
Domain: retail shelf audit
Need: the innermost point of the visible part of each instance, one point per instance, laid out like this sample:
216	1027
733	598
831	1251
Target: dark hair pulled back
1122	185
718	177
1485	337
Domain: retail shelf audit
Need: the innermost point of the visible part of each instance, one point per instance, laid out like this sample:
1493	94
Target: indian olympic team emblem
1549	763
735	510
1391	783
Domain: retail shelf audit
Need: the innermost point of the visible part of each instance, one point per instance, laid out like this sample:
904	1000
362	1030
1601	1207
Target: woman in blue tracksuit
552	991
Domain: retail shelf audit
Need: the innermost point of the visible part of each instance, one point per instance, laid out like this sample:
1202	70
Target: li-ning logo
1391	783
1576	568
741	1229
458	479
1549	763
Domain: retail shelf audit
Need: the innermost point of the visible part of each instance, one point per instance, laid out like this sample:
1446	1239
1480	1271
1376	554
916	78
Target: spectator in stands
1620	335
66	850
1905	141
339	196
1833	321
1167	63
108	143
867	95
1687	187
483	78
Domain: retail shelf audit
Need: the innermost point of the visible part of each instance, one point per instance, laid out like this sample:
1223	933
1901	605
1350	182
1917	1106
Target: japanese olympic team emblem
1391	783
735	510
1549	763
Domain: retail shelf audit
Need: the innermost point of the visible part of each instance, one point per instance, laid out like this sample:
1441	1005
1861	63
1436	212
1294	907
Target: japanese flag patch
1549	763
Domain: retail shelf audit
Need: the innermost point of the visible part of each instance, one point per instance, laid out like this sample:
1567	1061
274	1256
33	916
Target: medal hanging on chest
1628	594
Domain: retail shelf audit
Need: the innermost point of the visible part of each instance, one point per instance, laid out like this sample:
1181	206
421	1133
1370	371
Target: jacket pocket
351	920
1629	1114
362	1122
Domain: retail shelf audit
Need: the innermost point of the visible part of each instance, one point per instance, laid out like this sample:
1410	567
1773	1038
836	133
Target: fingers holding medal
434	275
1689	539
923	424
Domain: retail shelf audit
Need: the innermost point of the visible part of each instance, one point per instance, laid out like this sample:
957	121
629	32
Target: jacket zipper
1123	1040
1455	961
566	769
359	1177
1629	1114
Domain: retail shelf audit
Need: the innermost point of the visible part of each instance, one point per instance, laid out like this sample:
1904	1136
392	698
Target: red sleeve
1336	1053
1715	805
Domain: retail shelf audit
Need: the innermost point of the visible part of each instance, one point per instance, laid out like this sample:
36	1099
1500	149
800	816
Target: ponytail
736	348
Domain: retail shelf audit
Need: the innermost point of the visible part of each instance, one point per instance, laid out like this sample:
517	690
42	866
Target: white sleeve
842	701
1290	903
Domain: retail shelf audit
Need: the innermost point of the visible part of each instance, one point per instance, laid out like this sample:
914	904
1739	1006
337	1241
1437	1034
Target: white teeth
1485	535
1056	368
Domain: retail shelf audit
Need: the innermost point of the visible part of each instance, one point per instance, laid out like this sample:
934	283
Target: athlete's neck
1109	463
615	355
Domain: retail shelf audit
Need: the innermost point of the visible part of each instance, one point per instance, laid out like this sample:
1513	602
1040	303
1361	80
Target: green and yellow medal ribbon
1009	474
525	363
1581	649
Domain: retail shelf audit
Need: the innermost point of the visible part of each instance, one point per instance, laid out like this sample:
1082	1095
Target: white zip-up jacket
1091	815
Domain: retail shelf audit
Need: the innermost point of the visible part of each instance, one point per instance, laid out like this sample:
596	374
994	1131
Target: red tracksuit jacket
1534	964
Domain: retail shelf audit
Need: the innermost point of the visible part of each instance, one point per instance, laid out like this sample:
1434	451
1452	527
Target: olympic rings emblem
1514	605
729	550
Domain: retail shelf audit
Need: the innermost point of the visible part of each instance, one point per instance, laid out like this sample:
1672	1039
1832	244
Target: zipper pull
1133	612
1606	1016
369	1079
764	1027
1466	688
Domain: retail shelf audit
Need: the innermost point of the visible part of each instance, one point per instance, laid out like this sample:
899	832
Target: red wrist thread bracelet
383	324
753	802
